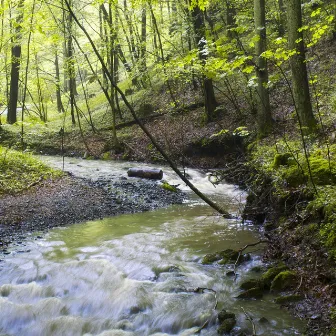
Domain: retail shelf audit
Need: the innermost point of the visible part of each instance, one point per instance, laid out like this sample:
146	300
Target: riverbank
68	200
292	225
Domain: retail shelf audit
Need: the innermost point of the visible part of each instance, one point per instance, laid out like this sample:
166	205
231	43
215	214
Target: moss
282	160
169	187
253	293
106	156
284	280
288	298
252	283
322	172
271	273
294	176
210	258
228	256
19	171
325	206
333	321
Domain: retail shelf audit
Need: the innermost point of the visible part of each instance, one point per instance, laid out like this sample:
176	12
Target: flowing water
135	274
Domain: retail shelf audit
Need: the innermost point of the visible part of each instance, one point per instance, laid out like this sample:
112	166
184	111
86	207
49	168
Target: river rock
288	298
224	315
210	258
284	280
263	320
253	293
251	283
271	273
226	326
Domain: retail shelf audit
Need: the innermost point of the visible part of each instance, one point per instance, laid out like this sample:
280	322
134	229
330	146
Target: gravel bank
72	200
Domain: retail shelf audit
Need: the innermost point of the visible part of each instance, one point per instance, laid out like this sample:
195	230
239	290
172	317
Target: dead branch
243	249
249	318
201	290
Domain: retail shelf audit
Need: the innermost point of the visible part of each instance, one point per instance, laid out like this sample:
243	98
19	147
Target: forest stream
136	274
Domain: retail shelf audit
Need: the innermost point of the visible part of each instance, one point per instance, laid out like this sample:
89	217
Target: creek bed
135	274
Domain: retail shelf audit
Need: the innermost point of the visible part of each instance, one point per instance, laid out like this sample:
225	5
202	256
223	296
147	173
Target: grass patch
19	171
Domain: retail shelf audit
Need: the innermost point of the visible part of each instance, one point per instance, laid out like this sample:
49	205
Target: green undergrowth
314	179
324	206
19	171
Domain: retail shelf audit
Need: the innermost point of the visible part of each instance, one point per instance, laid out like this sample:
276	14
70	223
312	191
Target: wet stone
226	326
253	293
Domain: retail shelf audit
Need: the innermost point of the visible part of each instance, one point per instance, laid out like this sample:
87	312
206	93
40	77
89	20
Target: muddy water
135	274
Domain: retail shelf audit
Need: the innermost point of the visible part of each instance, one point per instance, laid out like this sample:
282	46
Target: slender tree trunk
298	66
230	18
210	102
162	56
143	39
264	109
60	107
282	18
71	67
15	68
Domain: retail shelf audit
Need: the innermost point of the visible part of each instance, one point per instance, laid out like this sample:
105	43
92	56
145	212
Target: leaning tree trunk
15	67
298	66
264	109
143	127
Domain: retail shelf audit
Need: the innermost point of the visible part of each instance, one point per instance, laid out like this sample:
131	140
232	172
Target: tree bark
298	66
264	109
210	102
15	67
230	18
60	107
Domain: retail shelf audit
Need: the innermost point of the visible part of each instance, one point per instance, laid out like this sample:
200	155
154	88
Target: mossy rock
106	156
231	256
169	187
228	256
294	176
288	299
271	273
224	315
210	258
253	293
226	326
225	257
284	280
284	159
252	283
322	173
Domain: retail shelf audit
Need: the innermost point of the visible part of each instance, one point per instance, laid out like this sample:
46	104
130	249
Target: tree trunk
264	109
210	102
298	66
60	107
15	67
143	39
282	15
230	18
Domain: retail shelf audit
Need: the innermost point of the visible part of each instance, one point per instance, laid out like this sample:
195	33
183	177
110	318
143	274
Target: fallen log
155	174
